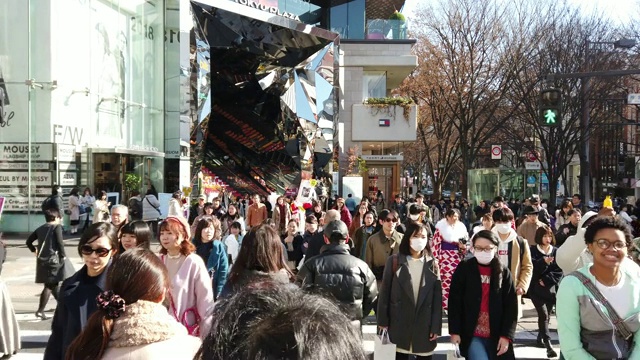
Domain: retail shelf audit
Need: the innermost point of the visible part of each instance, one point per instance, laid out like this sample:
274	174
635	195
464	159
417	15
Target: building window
374	84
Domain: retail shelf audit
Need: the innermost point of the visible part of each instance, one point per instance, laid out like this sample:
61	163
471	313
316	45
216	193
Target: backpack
48	204
135	207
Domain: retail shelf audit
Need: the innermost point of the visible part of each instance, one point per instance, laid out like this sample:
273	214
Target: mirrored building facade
267	92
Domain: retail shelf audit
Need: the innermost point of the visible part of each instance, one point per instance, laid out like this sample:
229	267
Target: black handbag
51	262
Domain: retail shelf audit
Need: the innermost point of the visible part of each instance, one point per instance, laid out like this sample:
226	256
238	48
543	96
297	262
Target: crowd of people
245	281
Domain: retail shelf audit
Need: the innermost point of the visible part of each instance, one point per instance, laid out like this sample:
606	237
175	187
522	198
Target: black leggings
49	289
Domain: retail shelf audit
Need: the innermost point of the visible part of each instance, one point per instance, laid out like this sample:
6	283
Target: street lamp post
585	168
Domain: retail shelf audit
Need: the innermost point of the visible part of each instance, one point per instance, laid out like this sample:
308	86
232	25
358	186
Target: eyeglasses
390	219
481	249
604	244
88	250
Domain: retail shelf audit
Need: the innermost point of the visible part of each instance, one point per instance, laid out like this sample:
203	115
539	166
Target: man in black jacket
316	242
337	272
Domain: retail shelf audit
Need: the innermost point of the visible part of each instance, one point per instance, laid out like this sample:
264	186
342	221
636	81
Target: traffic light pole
584	151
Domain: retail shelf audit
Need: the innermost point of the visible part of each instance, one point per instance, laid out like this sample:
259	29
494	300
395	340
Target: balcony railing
381	29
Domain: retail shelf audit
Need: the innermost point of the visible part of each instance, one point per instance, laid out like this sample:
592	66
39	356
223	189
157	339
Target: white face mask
418	244
484	258
414	217
544	206
503	228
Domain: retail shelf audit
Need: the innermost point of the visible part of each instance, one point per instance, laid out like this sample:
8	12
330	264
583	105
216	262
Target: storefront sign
20	151
62	167
268	8
21	178
382	157
66	153
21	203
23	166
68	179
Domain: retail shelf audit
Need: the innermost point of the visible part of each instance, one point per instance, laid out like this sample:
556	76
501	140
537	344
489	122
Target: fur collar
144	322
452	233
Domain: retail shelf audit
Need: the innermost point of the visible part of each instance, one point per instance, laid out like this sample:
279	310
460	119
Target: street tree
475	48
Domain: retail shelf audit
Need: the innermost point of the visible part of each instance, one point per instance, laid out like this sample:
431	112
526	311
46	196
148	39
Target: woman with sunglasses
483	306
77	297
131	321
191	294
597	296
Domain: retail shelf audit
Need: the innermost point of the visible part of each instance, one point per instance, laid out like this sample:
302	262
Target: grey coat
409	323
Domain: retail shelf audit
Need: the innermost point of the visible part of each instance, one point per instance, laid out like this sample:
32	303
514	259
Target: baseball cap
203	197
336	230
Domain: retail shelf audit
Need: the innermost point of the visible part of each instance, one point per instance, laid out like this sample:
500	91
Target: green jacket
585	329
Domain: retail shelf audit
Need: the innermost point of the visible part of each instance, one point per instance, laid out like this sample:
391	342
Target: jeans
401	356
543	307
478	349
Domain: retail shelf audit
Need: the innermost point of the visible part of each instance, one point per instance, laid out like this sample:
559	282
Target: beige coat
528	230
147	331
379	248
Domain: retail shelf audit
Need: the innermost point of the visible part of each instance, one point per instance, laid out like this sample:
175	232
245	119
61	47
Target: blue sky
620	11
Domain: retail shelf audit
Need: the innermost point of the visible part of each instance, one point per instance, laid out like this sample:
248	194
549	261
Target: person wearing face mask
483	303
546	276
449	247
362	235
411	278
513	251
417	214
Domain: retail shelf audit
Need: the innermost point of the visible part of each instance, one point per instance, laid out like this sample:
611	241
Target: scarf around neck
144	322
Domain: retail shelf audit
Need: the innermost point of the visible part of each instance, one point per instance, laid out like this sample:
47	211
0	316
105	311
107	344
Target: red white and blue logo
384	122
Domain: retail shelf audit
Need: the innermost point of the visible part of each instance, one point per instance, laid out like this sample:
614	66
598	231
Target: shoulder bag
618	322
153	206
53	261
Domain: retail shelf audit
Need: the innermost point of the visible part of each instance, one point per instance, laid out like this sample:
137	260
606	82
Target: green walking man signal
550	117
550	107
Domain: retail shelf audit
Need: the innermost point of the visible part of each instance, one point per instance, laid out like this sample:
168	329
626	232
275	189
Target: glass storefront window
92	68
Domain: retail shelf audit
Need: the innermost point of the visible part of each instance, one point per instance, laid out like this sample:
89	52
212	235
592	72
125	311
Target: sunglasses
88	250
390	219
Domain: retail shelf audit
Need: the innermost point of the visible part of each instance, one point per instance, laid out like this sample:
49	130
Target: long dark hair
261	250
405	244
137	274
496	265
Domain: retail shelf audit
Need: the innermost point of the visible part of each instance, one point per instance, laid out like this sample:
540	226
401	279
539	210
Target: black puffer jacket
346	277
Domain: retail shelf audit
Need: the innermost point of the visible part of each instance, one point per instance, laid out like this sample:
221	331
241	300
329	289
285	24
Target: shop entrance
121	173
382	178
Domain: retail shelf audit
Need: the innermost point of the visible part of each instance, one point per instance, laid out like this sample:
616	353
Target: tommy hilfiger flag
384	122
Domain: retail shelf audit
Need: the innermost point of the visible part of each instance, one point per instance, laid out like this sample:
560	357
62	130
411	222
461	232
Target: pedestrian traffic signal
550	107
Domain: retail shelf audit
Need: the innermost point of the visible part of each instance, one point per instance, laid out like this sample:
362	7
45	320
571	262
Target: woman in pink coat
191	293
